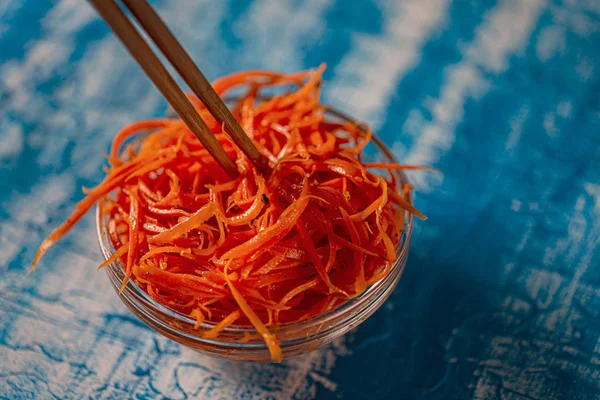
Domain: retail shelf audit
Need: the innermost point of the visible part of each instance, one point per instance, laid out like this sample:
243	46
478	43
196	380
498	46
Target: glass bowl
241	342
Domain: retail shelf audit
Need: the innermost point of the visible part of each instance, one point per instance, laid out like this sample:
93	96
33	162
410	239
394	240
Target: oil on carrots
259	250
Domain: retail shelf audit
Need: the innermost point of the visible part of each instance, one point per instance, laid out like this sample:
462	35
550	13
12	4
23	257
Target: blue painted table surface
501	295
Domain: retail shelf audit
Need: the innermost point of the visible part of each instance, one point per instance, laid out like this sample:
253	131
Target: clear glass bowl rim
342	314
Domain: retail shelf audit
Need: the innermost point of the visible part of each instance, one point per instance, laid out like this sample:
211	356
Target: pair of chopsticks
162	37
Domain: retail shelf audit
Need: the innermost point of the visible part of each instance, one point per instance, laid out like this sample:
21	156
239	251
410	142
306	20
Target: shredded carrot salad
259	250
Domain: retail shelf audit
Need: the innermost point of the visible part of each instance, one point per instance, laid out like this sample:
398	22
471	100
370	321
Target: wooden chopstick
191	74
145	57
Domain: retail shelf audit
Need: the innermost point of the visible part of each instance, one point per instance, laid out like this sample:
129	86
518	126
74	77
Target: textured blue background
501	296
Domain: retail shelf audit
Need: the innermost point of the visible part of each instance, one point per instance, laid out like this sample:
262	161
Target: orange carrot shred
269	339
